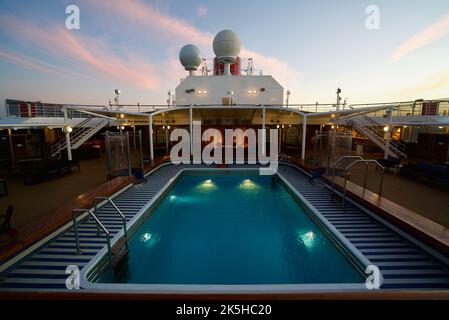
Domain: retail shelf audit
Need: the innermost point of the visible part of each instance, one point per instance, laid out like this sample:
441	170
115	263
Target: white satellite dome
190	57
227	46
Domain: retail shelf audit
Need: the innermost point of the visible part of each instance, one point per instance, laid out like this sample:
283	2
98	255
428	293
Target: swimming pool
232	228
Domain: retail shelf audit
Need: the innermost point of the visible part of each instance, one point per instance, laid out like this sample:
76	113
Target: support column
304	131
11	147
67	136
151	138
264	135
166	138
191	128
388	138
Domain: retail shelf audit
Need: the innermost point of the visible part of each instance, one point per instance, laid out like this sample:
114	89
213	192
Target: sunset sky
310	47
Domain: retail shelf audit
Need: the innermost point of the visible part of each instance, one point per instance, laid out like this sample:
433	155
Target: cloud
94	55
434	82
434	32
176	29
201	11
34	64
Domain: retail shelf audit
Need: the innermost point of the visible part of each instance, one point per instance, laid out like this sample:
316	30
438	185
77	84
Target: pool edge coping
191	288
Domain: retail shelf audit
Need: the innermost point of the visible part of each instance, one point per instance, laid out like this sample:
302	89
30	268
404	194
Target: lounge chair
6	226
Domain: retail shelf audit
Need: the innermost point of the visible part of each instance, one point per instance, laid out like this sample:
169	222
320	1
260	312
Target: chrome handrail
335	165
125	230
366	162
283	157
75	212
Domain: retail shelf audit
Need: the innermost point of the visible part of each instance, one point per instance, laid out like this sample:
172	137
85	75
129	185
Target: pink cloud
34	64
434	32
94	55
168	27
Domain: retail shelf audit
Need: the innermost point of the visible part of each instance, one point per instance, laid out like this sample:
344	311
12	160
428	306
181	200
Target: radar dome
190	57
227	46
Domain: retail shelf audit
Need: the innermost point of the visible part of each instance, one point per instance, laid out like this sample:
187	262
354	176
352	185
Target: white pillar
67	137
151	137
191	128
166	138
388	138
303	147
264	135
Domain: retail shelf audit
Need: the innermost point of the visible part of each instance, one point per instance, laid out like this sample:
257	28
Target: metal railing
283	158
379	134
40	110
405	108
75	213
125	230
365	179
335	166
346	173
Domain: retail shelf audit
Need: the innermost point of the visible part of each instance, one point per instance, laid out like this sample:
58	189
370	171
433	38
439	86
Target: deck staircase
374	131
80	134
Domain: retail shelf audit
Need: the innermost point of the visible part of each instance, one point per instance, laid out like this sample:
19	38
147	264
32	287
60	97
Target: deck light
205	91
65	129
386	128
122	127
122	115
440	127
168	127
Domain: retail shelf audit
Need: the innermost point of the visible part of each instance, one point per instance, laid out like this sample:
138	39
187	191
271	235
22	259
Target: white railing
408	108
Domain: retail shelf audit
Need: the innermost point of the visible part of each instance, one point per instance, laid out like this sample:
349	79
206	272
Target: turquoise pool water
233	228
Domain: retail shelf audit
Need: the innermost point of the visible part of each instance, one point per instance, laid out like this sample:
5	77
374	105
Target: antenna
250	68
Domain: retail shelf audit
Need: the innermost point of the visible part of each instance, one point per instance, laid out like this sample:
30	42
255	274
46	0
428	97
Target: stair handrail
81	128
75	213
125	230
375	128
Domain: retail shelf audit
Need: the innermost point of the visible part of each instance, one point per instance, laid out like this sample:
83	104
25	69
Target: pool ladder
117	254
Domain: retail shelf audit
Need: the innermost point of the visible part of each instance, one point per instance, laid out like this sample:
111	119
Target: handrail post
107	234
125	229
95	211
75	226
344	190
366	176
381	182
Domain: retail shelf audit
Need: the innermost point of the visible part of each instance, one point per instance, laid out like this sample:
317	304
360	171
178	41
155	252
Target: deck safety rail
125	230
366	162
75	213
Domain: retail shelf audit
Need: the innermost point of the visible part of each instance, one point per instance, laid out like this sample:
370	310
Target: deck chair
6	225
